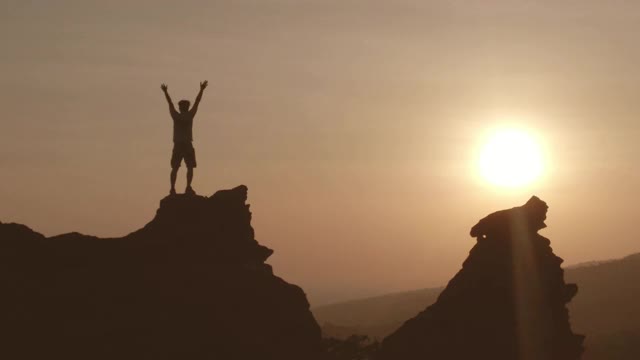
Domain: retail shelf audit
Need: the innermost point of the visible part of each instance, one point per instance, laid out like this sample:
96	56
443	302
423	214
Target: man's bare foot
189	191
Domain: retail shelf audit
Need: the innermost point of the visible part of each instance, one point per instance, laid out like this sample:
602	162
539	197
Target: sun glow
511	158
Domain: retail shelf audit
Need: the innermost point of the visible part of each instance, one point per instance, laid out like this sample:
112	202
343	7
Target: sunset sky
356	124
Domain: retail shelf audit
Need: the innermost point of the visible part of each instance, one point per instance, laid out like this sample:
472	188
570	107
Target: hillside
376	316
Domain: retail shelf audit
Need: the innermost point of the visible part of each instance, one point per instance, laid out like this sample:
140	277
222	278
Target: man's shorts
183	150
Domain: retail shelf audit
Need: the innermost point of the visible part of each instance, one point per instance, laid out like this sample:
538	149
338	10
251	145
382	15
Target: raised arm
203	85
165	89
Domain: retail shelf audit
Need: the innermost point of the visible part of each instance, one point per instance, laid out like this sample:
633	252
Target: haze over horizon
356	124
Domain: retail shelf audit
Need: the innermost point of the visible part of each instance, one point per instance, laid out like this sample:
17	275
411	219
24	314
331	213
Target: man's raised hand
204	84
164	87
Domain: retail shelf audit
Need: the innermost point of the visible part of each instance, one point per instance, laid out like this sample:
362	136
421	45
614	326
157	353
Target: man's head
183	105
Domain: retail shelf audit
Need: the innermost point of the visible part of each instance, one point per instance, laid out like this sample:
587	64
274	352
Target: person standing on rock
183	136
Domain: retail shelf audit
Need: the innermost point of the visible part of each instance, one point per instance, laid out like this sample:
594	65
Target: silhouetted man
183	137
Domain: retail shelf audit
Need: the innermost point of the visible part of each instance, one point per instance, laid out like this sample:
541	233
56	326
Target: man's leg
190	161
189	180
176	159
174	176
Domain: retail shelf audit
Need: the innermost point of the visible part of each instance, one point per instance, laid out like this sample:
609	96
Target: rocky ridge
191	284
507	302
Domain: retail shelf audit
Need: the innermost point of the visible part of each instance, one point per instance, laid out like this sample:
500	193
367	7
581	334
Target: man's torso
182	127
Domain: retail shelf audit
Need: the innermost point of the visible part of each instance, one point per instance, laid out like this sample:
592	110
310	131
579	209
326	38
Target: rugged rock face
508	301
191	284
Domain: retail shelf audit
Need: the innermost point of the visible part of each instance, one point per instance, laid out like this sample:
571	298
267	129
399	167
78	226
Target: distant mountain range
606	309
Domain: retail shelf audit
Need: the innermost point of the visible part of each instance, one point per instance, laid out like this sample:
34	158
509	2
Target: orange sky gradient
355	124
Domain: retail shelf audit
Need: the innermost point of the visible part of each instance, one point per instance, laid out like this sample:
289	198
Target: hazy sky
356	124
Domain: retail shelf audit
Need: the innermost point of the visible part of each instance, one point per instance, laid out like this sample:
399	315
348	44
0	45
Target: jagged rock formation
191	284
508	302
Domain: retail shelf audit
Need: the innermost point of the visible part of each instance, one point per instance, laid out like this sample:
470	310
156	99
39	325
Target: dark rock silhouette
191	284
508	301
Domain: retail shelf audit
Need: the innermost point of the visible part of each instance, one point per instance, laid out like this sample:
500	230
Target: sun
511	158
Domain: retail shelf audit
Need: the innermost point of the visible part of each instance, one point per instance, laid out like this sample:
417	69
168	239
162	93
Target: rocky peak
191	284
529	217
508	302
